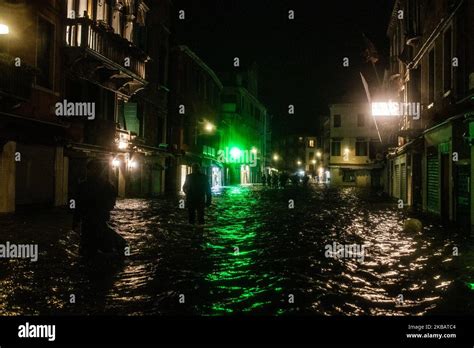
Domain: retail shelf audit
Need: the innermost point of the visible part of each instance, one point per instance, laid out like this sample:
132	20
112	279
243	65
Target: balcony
98	54
15	82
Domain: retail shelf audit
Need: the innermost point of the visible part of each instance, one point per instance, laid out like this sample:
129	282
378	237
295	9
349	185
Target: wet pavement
255	255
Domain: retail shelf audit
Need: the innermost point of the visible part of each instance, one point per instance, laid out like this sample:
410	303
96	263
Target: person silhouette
96	197
198	194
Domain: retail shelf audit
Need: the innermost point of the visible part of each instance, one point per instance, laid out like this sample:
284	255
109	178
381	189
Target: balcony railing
90	35
15	82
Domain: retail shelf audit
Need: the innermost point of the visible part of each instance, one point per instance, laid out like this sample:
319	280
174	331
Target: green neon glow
236	190
235	152
471	286
238	285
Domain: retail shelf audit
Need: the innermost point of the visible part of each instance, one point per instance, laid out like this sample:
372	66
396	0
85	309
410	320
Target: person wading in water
95	199
198	194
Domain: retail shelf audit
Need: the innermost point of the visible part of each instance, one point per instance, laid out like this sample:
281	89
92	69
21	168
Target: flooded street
253	256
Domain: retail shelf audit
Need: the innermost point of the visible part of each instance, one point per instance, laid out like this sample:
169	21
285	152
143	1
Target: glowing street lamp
132	164
115	163
122	145
299	163
318	154
276	157
313	161
4	29
209	127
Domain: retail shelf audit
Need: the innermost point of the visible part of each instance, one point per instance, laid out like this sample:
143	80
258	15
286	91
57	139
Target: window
82	8
336	148
348	176
45	53
360	120
118	18
102	11
139	37
337	121
311	143
361	148
447	57
431	76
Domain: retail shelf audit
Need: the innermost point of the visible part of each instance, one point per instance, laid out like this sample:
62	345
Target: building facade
354	152
33	165
245	126
85	79
299	154
194	119
116	60
432	65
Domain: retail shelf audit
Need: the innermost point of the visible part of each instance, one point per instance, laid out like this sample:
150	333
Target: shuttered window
396	183
403	182
433	183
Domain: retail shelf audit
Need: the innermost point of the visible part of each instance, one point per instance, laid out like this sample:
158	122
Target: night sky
300	60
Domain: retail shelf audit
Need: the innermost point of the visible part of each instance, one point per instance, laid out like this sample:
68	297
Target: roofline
194	56
255	99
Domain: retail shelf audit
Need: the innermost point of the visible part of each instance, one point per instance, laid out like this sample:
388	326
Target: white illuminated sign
396	109
385	109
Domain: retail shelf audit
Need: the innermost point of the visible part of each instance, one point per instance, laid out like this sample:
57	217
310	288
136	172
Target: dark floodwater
254	253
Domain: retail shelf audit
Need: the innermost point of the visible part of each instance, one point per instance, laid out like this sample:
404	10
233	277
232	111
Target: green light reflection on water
234	230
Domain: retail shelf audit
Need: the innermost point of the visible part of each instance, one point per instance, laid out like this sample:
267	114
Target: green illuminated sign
236	155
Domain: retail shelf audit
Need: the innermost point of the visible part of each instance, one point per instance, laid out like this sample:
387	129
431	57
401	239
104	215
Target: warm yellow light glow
115	163
132	164
4	30
385	109
318	154
209	127
346	150
122	145
254	150
275	157
299	163
314	161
